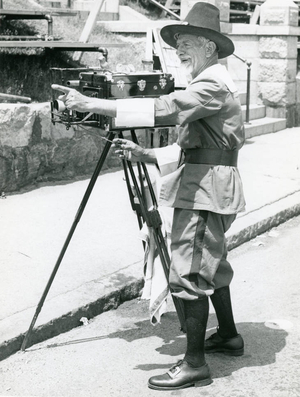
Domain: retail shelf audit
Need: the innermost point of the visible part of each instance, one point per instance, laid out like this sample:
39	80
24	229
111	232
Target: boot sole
228	352
200	383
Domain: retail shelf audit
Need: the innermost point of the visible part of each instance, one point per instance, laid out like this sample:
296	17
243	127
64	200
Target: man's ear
211	47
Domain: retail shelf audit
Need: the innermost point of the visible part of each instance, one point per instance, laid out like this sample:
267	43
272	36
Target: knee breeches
199	252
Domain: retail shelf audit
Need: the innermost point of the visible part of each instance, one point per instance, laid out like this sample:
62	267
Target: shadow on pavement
261	344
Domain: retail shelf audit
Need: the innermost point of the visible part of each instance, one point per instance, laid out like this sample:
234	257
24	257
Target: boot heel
204	382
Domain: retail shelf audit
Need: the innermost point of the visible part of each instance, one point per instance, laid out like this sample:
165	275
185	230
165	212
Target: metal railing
248	63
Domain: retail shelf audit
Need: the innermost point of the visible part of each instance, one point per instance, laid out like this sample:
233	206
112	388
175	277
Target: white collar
221	72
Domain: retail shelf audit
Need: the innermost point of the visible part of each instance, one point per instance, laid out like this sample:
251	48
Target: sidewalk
103	264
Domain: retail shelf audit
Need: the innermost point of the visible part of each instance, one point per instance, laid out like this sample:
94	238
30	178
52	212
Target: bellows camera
107	85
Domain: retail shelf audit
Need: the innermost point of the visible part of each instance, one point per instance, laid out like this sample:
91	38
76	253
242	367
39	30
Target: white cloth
134	112
156	288
167	158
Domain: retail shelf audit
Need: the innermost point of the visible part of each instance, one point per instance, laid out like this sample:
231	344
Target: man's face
191	52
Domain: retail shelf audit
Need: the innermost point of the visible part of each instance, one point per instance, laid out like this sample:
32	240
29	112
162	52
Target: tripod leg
153	220
70	234
134	204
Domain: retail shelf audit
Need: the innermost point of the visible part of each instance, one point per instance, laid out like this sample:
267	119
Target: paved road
116	353
103	265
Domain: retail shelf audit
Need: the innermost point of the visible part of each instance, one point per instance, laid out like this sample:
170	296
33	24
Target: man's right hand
129	150
72	99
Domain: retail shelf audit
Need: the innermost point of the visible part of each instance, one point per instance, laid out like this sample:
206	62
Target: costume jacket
209	116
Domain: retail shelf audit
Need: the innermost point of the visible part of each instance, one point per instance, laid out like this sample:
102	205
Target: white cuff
135	112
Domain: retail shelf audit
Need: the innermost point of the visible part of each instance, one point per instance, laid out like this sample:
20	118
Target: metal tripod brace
150	217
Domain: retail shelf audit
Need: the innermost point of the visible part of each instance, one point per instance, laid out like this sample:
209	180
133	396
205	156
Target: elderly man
205	190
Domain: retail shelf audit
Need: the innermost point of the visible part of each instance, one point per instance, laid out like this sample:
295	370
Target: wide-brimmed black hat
202	20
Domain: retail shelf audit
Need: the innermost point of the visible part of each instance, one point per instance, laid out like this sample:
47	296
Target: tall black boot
221	301
196	316
226	340
192	370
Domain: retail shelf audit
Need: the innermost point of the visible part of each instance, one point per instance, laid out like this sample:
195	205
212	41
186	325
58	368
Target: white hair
202	40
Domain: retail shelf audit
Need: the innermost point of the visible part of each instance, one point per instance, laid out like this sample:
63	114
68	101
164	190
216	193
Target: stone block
278	47
277	94
277	70
278	12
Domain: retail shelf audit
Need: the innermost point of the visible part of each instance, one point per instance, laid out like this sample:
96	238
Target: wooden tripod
150	217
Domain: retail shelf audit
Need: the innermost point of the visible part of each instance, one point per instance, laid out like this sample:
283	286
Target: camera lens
59	105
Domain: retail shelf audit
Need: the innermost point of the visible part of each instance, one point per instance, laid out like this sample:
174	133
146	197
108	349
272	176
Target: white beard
187	70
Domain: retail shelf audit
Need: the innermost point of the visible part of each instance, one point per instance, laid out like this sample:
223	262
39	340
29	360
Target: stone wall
279	33
33	151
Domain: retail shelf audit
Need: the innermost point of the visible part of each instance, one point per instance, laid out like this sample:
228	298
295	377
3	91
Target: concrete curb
71	320
129	287
247	227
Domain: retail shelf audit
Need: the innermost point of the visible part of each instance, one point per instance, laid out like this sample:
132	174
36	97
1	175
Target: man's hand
72	99
129	150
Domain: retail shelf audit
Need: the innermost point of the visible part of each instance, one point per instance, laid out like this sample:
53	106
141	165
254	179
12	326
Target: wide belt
211	156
